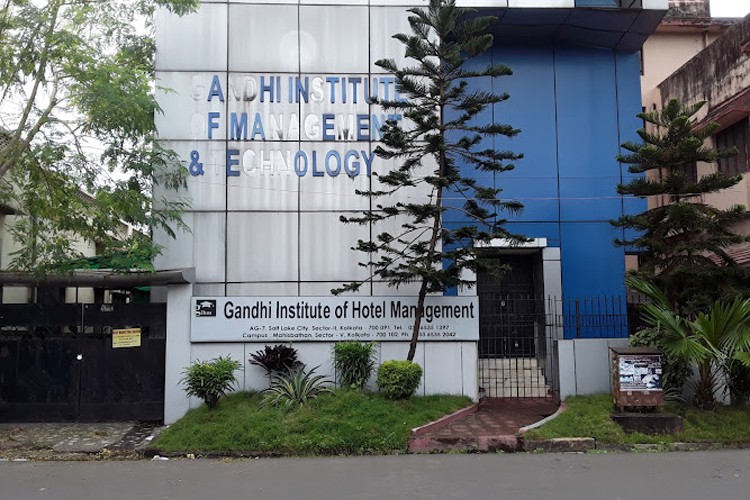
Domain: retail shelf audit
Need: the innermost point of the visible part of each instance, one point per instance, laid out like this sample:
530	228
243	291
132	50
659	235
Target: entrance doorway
516	359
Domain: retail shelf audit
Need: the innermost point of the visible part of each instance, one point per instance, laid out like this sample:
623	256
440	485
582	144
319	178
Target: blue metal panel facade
629	92
575	105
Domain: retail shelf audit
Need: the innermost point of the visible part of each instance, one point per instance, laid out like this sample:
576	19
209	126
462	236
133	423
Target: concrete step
500	363
492	383
511	381
519	375
511	373
512	378
539	392
532	377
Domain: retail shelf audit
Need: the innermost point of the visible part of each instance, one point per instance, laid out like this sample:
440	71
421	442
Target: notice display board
636	378
330	319
126	337
640	372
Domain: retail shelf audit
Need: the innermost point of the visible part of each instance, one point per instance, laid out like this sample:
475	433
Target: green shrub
210	380
276	360
295	388
354	362
399	379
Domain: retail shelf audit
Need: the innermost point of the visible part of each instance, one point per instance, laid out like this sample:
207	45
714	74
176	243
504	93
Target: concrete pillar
176	403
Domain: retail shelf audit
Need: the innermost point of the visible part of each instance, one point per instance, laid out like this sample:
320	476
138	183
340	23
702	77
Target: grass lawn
345	422
588	416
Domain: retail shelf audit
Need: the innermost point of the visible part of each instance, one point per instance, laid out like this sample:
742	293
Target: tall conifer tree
680	235
440	110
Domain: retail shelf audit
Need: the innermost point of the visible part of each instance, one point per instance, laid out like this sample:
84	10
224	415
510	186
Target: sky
730	8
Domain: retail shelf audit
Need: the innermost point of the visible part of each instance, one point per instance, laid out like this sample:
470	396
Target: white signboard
330	319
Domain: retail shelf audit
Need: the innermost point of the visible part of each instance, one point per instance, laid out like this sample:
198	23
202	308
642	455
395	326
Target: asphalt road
712	475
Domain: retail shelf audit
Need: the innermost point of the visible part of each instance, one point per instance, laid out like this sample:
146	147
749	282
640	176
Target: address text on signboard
285	319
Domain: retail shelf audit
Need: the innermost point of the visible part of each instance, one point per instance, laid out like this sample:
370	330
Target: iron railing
519	337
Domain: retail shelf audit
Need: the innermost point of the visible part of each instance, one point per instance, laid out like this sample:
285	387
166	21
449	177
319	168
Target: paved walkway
493	427
76	441
499	417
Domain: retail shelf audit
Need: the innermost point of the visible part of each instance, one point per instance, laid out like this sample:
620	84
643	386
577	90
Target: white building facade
267	103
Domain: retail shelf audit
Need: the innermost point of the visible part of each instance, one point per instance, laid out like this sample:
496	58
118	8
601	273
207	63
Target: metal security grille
515	354
519	336
515	348
57	362
38	377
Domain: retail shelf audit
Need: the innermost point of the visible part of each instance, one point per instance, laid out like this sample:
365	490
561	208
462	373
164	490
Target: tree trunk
430	253
705	398
417	322
436	226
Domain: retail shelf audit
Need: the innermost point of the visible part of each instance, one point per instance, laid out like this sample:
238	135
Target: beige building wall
719	75
686	30
664	52
684	34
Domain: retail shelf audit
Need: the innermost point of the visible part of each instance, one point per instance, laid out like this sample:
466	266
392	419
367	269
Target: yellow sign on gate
126	337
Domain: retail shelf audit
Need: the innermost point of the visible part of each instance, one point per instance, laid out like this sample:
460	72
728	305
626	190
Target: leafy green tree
680	235
77	152
440	125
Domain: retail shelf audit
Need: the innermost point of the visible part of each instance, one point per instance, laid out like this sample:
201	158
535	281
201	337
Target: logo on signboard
205	308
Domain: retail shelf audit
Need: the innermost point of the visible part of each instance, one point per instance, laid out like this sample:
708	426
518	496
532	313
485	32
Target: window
736	136
691	173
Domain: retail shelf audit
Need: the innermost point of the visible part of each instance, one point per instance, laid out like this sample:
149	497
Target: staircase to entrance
513	378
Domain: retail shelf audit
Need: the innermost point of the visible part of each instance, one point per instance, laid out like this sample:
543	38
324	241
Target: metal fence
594	317
519	336
58	362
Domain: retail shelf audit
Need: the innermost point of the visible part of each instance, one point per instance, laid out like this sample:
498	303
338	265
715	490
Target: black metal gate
58	362
516	346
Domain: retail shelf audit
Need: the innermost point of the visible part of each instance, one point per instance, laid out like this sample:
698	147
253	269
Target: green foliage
78	156
276	360
589	416
294	389
347	422
399	379
354	362
210	380
440	134
711	341
681	234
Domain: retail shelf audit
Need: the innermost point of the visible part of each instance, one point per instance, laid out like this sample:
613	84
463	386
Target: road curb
560	445
481	444
151	453
560	410
588	444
